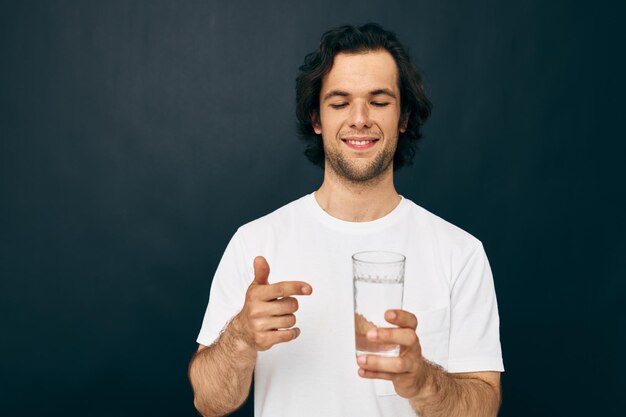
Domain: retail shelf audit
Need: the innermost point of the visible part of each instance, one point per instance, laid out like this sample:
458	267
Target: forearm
221	374
455	395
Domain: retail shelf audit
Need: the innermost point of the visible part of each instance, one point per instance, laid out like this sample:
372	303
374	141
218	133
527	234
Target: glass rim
400	257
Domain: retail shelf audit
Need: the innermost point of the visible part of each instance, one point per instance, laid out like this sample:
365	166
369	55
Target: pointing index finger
285	289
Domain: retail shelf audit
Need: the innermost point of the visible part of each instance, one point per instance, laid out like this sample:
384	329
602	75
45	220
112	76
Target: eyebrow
384	91
340	93
335	93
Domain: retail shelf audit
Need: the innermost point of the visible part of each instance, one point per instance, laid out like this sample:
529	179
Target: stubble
351	171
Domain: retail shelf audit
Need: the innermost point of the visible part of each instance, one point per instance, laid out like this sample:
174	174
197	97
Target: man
360	105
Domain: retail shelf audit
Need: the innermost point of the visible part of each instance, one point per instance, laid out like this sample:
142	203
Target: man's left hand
408	371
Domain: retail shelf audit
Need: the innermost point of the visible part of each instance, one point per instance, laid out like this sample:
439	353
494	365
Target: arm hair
471	394
221	374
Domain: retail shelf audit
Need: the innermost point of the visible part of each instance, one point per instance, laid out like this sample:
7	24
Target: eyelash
375	104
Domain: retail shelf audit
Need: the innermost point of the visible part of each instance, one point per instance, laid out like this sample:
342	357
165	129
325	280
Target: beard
355	172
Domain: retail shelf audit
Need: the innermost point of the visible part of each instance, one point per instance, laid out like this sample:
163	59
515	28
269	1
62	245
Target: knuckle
372	361
256	326
262	323
280	291
251	294
260	339
254	311
287	335
399	366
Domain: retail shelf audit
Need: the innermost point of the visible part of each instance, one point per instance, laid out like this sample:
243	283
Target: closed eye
338	105
380	103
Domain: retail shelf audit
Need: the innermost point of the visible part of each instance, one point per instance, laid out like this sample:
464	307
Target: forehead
362	72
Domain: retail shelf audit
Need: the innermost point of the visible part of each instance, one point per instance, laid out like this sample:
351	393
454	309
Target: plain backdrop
136	136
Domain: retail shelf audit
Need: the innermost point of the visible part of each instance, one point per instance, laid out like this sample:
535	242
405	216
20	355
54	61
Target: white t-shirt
448	286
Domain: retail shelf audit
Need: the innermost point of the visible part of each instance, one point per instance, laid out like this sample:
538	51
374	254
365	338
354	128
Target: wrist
240	342
426	381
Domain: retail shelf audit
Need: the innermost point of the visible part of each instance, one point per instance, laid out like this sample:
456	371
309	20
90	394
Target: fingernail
392	315
372	334
361	360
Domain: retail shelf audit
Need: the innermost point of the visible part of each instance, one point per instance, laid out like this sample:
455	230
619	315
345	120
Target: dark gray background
135	137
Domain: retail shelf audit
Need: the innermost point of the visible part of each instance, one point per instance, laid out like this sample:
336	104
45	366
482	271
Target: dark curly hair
357	39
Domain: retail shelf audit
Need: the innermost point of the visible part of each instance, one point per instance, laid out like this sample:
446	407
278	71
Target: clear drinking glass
378	287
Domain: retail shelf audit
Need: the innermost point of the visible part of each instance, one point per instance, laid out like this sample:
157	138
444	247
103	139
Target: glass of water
378	286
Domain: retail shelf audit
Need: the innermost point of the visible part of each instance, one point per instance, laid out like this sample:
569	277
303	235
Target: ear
404	122
315	121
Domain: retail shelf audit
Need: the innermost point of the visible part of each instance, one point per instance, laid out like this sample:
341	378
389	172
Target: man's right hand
267	316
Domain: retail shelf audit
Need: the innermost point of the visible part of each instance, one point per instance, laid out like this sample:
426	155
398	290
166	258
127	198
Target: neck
357	202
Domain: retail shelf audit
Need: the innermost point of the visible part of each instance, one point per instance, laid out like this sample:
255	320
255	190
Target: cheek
391	125
329	126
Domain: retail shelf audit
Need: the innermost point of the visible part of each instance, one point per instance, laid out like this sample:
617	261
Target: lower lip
363	147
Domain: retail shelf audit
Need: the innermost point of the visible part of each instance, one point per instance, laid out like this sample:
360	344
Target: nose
359	116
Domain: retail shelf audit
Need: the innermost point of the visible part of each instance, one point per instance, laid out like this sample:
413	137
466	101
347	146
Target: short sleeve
228	291
474	322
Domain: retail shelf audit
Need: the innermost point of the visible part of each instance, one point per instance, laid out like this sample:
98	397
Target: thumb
261	270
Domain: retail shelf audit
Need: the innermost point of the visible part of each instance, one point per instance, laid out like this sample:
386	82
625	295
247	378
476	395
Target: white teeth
359	142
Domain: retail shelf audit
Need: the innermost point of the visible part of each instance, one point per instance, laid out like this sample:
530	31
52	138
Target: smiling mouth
360	143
